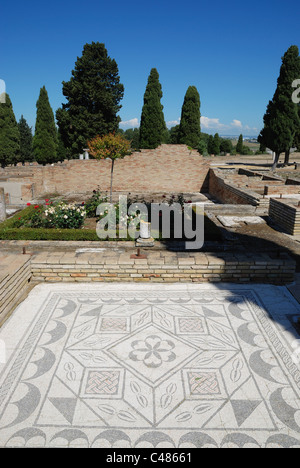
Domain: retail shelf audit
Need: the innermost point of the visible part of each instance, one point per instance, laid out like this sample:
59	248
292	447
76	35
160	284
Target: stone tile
195	364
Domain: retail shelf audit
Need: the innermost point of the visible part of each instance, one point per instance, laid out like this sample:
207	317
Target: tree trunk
287	158
275	162
111	178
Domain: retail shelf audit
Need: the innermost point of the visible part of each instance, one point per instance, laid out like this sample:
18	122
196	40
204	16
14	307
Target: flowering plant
65	216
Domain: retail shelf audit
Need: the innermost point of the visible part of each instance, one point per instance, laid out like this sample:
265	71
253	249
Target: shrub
92	203
65	216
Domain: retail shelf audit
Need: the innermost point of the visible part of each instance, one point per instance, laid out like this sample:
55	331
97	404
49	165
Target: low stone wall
281	189
164	267
228	192
286	214
15	274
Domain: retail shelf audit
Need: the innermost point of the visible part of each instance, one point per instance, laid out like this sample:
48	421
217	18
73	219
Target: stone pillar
2	205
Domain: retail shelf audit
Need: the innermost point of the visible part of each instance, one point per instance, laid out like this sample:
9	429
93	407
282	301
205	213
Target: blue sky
231	51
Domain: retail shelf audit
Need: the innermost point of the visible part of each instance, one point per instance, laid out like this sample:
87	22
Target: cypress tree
93	95
189	129
9	134
216	145
210	144
281	120
240	145
25	141
153	126
45	137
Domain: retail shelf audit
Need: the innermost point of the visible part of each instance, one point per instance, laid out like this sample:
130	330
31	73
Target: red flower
19	218
47	204
47	200
28	204
36	207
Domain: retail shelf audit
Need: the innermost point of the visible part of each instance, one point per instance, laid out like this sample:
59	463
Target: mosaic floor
124	365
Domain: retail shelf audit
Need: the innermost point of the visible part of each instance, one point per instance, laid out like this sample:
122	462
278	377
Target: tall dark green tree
44	142
26	154
240	145
93	97
281	120
216	145
9	134
189	129
153	127
210	144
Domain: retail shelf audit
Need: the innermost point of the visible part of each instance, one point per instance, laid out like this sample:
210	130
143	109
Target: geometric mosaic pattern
203	383
103	382
157	365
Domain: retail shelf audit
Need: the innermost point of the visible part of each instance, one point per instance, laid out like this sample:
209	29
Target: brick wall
227	190
164	267
286	214
282	189
169	168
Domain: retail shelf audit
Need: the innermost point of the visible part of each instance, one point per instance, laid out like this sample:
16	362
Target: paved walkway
183	365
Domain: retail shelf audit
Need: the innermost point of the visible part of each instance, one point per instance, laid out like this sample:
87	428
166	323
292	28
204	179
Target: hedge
9	232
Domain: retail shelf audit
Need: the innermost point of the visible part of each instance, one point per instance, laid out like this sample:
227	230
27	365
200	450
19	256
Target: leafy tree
26	154
93	98
202	147
112	146
173	135
9	134
240	144
133	135
262	148
61	150
216	145
44	142
153	126
281	120
225	146
189	128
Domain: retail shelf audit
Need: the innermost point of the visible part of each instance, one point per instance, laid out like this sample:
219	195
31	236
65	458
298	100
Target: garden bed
47	223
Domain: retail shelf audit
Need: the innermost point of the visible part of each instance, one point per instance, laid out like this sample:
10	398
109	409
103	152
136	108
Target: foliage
26	154
210	144
112	146
225	146
281	120
132	135
61	150
92	203
65	216
9	135
49	216
215	149
189	128
45	136
93	97
240	144
153	127
173	135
